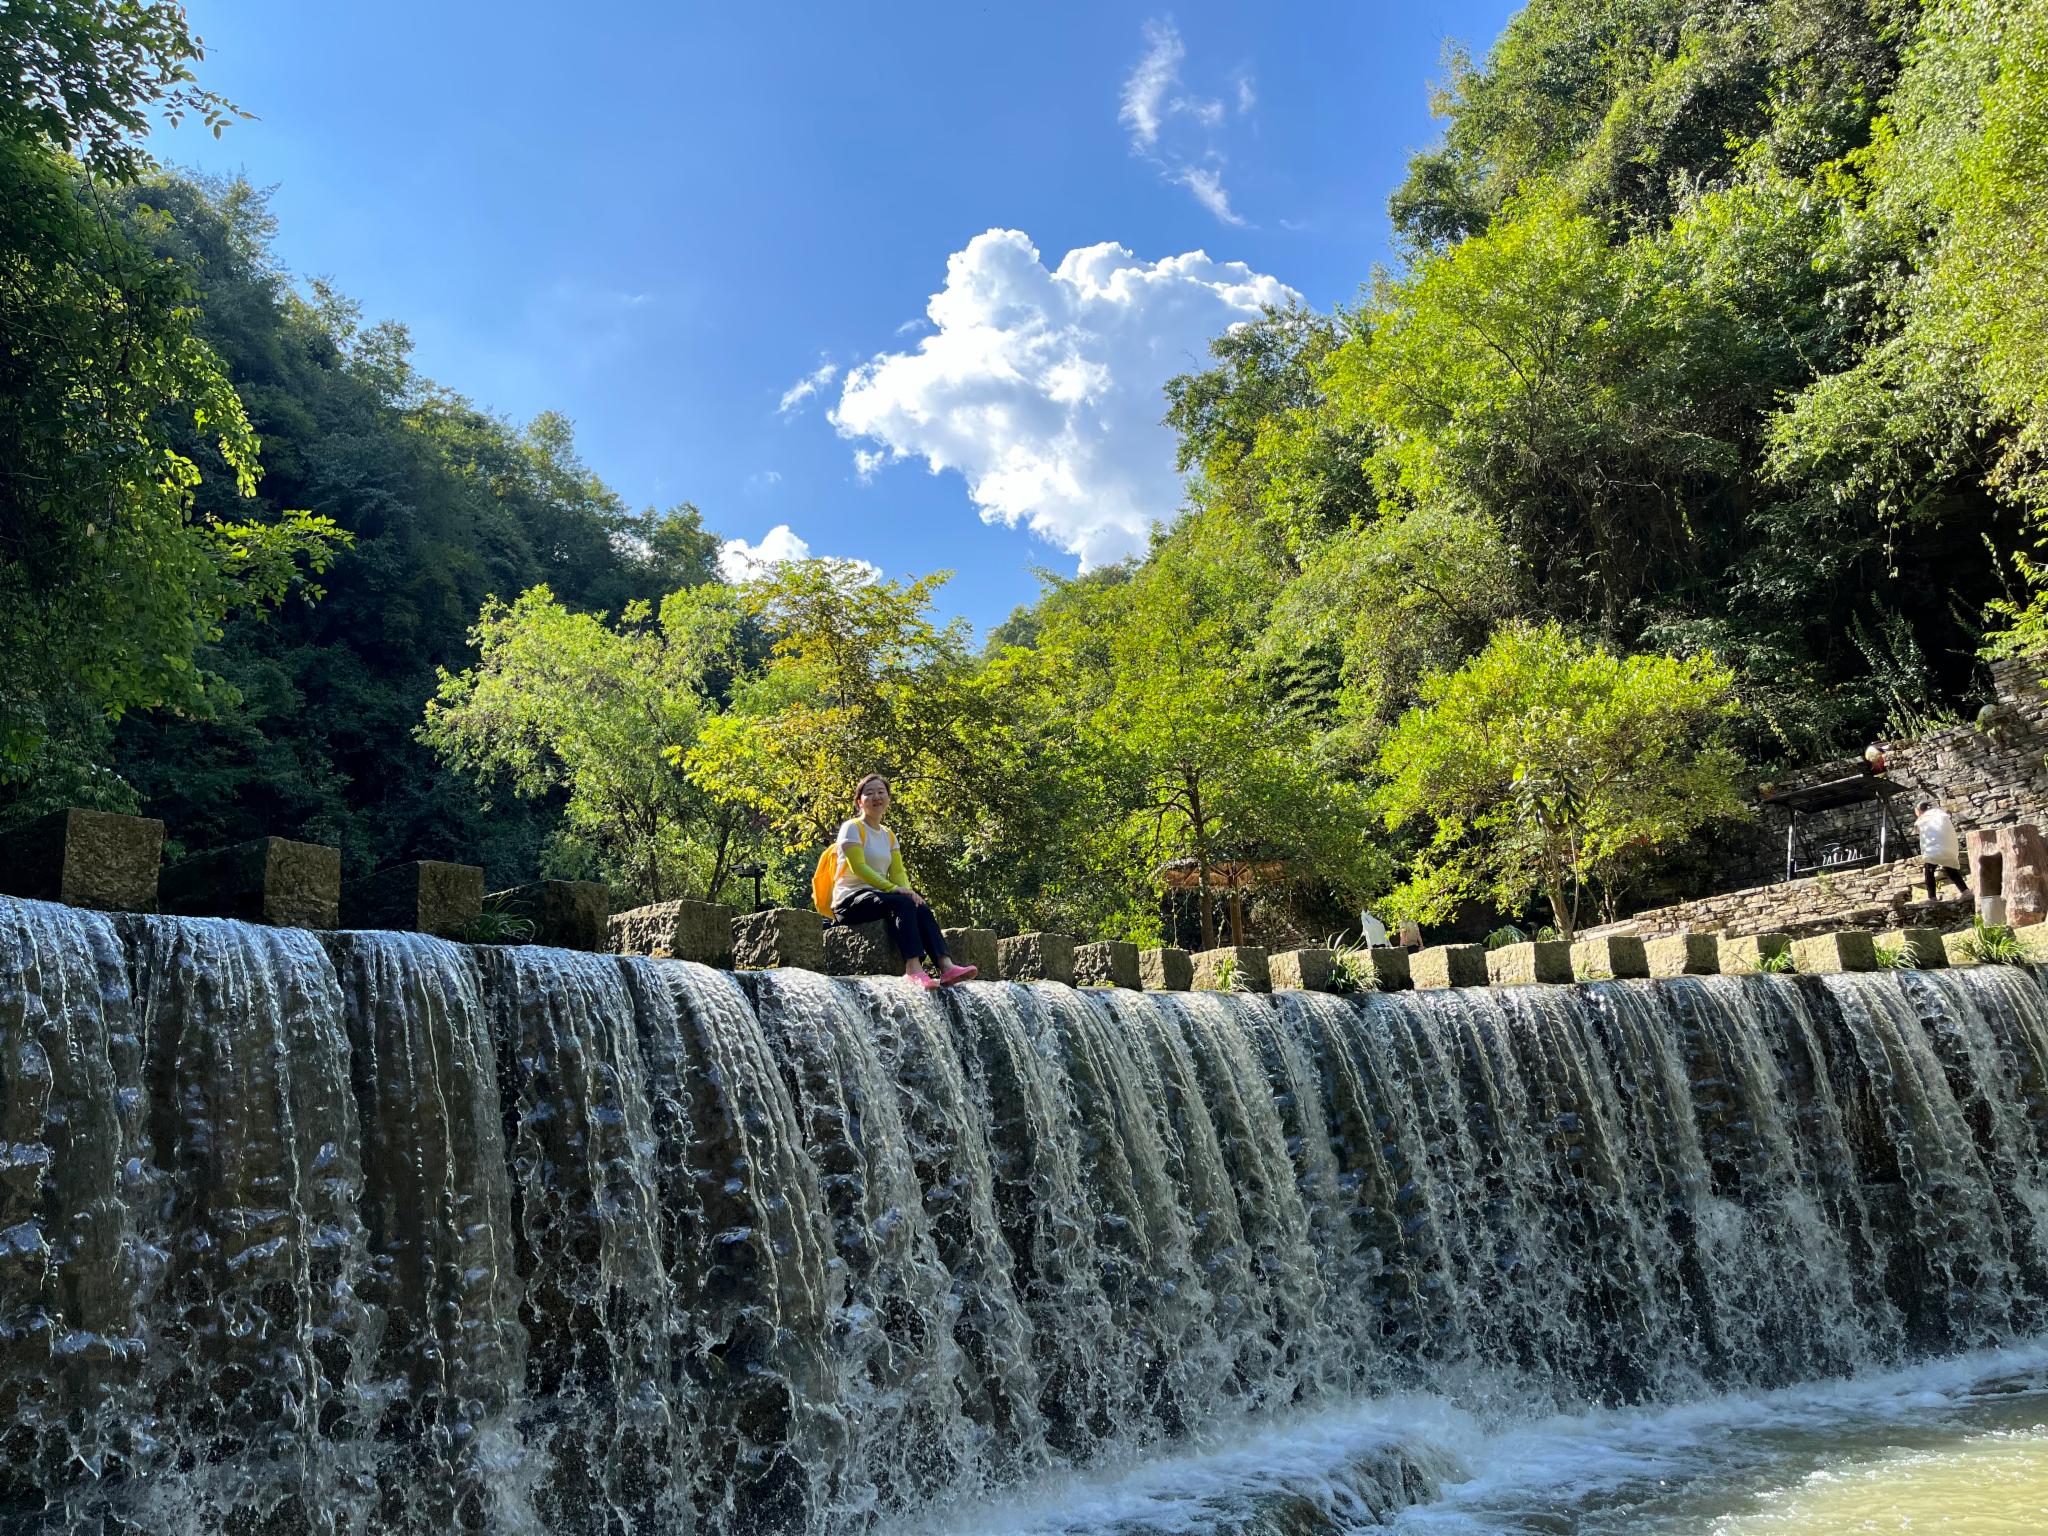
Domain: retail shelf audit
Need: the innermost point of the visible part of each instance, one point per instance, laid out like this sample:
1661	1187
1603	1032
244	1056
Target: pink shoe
928	981
953	974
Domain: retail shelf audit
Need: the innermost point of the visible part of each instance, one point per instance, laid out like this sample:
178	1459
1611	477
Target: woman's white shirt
877	847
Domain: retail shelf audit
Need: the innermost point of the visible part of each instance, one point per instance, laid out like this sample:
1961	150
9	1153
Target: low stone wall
1889	896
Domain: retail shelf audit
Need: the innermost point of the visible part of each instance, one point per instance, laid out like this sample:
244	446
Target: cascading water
378	1233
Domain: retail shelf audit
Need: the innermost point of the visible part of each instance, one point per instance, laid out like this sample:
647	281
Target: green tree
114	571
562	702
1544	763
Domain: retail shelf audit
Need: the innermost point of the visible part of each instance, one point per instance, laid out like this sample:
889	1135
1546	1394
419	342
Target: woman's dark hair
867	779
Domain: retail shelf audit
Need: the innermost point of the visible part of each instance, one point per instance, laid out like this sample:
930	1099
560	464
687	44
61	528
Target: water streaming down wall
379	1233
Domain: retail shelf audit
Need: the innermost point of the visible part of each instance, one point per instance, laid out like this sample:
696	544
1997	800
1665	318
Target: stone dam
367	1232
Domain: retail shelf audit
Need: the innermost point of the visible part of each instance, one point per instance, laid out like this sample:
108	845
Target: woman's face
874	796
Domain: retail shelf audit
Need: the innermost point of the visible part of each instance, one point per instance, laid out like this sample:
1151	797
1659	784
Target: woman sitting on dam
871	885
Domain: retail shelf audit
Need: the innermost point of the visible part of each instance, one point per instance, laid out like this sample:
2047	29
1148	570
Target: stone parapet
861	949
566	914
1232	968
1037	957
779	938
675	930
1924	945
1609	959
424	896
1741	957
976	947
1683	954
1538	961
1302	970
1390	968
1165	970
1822	953
1449	965
85	859
1109	963
265	880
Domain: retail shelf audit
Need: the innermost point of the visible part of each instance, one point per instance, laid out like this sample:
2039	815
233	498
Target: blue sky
665	221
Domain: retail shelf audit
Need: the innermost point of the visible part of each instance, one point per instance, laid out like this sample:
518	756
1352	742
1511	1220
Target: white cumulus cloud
740	561
806	387
1042	388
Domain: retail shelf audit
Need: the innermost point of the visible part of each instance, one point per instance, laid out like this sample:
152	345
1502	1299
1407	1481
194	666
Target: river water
373	1233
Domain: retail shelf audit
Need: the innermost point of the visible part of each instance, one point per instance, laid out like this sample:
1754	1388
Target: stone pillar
1609	959
1449	965
1244	966
1960	945
1684	954
1519	965
675	930
861	949
1924	945
85	859
1303	970
266	880
1165	970
1747	955
1851	949
566	914
1390	964
1110	963
1038	957
425	896
781	937
975	947
2010	862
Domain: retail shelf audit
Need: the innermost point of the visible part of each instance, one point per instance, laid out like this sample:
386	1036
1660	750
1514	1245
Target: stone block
85	859
779	938
1746	956
1544	961
1390	963
675	930
1232	968
1850	949
1924	944
975	947
1303	970
2033	942
861	949
1165	970
266	880
1960	945
1110	963
1449	965
425	896
1609	959
1037	957
1683	954
566	914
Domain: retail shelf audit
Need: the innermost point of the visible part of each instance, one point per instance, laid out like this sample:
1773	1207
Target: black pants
911	924
1952	872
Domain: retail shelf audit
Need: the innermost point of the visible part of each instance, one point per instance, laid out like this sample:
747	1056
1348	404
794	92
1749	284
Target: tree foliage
1543	764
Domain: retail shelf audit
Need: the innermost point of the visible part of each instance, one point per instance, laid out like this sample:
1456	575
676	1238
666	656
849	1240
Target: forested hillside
1700	420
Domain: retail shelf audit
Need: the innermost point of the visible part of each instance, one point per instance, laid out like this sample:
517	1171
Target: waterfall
373	1232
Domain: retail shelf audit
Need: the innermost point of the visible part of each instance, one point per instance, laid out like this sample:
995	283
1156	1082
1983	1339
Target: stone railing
94	859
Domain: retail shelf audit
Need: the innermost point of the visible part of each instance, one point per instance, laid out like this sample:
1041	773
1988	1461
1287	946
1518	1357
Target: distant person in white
1938	846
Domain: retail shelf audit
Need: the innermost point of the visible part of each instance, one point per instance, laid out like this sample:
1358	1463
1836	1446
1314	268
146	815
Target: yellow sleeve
857	861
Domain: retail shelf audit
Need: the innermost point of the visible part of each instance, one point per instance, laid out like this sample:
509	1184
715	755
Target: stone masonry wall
1986	778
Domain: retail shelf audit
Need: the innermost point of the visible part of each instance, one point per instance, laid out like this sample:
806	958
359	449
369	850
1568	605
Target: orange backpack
823	878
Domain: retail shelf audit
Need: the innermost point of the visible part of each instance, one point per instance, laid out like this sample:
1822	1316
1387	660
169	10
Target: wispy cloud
805	387
1208	189
1154	98
1145	92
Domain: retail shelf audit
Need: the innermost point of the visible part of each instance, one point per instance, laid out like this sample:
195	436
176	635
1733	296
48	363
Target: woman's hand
915	897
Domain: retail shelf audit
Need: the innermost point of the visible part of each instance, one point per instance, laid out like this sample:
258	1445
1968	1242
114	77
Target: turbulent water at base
373	1233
